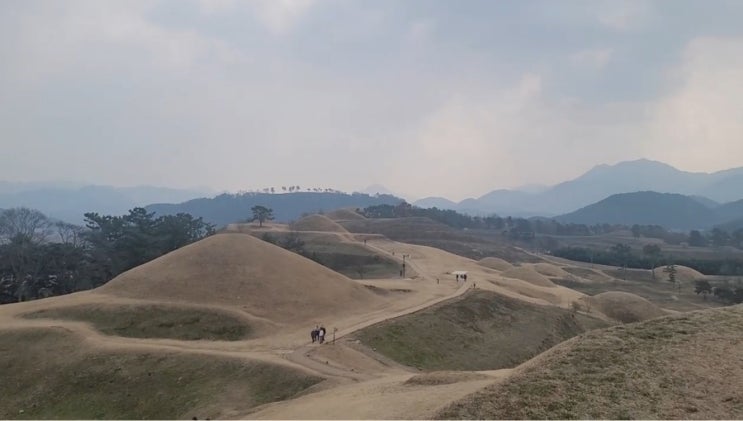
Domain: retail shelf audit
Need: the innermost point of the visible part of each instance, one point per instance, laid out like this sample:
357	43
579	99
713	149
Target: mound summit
239	270
317	223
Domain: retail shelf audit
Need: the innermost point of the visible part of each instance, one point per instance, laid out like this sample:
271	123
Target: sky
426	97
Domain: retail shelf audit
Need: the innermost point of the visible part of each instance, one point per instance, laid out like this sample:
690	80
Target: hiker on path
315	333
321	334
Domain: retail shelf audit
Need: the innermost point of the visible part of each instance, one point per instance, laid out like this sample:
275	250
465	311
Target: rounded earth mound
317	223
553	271
241	271
344	215
530	275
624	306
495	263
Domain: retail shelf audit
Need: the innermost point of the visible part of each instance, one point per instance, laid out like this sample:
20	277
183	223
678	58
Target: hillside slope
675	367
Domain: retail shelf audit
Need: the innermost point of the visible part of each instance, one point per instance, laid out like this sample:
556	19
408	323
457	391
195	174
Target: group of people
463	277
318	334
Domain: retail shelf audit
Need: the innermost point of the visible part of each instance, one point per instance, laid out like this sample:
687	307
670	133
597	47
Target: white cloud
279	16
624	15
699	125
595	58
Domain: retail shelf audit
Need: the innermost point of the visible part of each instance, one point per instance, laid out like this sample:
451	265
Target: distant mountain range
228	208
599	183
673	211
69	202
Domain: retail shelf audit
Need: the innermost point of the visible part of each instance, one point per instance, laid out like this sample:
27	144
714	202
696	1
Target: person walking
321	334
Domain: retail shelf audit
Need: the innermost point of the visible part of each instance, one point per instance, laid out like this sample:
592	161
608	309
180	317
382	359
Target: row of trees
724	293
292	189
530	229
649	256
40	257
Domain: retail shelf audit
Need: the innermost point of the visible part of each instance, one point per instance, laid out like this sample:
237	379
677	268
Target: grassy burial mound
683	273
50	373
550	270
495	263
528	274
624	307
153	321
481	331
345	215
684	366
242	271
587	274
317	223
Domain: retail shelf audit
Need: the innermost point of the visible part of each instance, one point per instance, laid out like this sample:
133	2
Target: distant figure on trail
464	277
457	275
314	334
321	334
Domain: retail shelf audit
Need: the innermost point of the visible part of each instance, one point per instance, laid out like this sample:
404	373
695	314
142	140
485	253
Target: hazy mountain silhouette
229	208
606	180
674	211
71	203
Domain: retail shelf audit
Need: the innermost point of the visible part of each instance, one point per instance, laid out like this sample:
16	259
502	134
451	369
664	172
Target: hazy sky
451	98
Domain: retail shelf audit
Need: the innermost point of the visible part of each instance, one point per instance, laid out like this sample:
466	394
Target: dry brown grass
496	263
676	367
241	271
317	223
444	377
54	374
344	215
624	307
528	274
153	321
553	271
480	331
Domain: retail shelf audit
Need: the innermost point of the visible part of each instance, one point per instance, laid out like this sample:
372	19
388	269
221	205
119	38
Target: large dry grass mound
624	307
344	215
685	366
242	271
53	374
528	274
317	223
553	271
481	331
683	273
495	263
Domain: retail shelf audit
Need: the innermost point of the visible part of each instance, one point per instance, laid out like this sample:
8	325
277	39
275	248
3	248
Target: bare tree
27	223
69	233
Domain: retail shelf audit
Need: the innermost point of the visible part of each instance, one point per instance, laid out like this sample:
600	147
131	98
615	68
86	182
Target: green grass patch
49	374
481	331
153	321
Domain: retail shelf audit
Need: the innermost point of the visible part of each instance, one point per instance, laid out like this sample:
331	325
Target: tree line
40	257
530	229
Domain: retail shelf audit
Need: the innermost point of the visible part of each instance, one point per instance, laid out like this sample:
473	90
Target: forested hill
672	211
228	208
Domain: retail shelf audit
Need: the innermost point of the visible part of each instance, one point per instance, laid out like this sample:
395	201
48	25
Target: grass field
481	331
153	321
350	259
676	367
50	374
